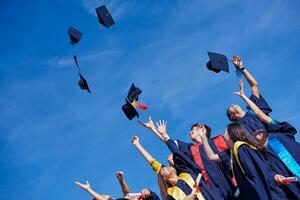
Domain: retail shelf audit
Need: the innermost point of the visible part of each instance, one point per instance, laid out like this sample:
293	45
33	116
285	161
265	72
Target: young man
216	176
236	114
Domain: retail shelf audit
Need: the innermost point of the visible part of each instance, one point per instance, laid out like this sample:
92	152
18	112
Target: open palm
241	92
148	124
161	127
86	186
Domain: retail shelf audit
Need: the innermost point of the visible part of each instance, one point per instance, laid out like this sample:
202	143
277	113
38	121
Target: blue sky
53	133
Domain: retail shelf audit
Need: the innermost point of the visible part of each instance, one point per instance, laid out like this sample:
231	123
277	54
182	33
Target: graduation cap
132	102
75	35
104	16
217	62
82	81
133	94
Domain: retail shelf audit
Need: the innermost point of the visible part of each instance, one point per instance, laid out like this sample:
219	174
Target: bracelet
243	68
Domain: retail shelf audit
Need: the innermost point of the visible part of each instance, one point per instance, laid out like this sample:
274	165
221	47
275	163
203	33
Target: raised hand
86	186
241	92
237	61
279	179
149	124
201	130
119	175
135	140
161	127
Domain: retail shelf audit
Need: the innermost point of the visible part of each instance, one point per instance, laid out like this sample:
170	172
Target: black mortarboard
104	16
75	35
129	110
132	96
83	83
217	62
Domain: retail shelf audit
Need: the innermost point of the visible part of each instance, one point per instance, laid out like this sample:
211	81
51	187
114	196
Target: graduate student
292	190
180	179
145	194
236	114
216	176
283	152
254	177
256	180
283	132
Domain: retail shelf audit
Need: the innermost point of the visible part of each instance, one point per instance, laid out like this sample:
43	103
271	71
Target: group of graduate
256	158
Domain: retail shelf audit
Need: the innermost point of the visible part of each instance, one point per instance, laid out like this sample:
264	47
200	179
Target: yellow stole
178	194
234	153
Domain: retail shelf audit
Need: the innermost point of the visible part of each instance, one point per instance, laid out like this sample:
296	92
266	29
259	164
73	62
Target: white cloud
67	61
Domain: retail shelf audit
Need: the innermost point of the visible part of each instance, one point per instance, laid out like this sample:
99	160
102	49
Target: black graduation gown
282	131
257	180
292	189
183	163
218	173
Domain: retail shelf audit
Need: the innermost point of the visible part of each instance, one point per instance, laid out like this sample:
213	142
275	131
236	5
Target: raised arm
156	166
95	195
258	113
150	125
136	142
125	188
237	61
184	163
208	151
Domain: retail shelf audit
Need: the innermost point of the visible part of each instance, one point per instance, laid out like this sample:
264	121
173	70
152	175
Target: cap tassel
142	106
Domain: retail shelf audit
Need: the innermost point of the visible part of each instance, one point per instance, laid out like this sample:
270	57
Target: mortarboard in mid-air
83	84
74	35
104	16
132	101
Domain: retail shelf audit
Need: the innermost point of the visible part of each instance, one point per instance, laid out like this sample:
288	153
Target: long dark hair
163	186
237	132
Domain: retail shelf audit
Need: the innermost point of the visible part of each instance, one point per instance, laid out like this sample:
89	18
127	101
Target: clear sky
53	133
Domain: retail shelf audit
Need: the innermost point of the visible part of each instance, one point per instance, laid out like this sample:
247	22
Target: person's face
228	139
194	135
170	159
234	112
261	138
168	172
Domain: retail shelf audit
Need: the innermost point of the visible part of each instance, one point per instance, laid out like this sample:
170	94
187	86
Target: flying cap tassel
142	106
76	62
